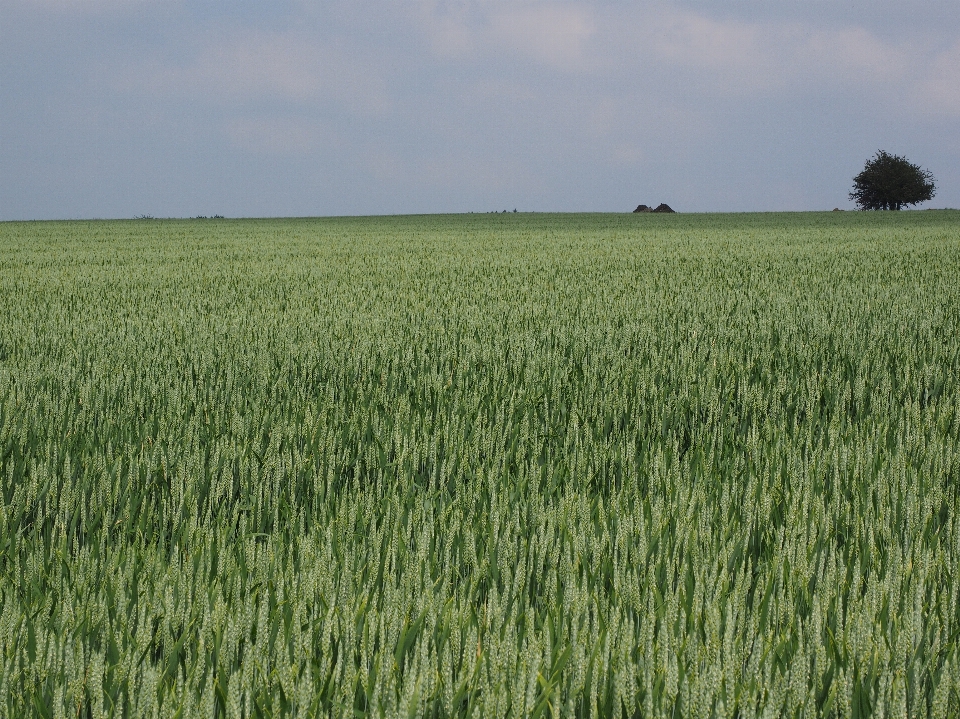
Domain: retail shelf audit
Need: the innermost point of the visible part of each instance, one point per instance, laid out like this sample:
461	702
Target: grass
482	465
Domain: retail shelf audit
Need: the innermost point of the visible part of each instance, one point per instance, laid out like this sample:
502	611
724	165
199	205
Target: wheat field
518	465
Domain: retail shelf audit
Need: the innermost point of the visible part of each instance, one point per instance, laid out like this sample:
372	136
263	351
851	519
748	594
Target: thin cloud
274	135
451	31
548	33
81	6
728	55
555	35
743	57
939	89
259	67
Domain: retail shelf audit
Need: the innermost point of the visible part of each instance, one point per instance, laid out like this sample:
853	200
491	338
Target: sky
170	108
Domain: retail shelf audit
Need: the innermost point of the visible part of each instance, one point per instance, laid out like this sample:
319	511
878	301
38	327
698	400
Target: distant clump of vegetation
891	182
450	466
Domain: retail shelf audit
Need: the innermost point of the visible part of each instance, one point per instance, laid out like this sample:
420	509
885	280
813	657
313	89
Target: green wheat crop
481	466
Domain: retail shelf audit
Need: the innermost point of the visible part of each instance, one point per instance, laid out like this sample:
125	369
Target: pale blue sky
116	108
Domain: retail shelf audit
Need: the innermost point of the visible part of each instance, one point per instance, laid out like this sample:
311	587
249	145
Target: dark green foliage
890	182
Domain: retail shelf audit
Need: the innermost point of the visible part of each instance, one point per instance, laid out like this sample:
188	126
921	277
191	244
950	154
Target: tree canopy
891	182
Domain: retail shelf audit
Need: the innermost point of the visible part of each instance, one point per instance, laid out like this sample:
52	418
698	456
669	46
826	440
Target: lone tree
889	182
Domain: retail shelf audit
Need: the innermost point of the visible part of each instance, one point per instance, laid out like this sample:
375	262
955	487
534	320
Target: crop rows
531	465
